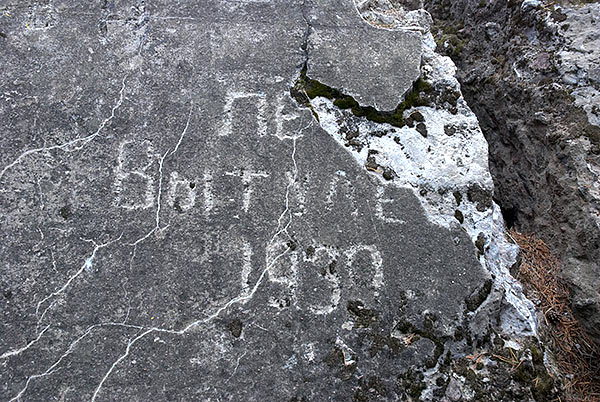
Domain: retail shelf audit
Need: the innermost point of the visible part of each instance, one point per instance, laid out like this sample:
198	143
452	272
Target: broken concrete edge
373	147
377	72
306	89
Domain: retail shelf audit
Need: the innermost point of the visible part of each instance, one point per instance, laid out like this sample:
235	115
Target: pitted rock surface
529	70
176	227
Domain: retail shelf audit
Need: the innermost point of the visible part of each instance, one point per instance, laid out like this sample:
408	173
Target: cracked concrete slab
177	227
375	66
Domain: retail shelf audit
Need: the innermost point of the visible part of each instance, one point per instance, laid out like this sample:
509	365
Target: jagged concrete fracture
375	66
177	227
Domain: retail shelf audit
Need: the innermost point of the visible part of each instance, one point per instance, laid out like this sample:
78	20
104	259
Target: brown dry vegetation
577	356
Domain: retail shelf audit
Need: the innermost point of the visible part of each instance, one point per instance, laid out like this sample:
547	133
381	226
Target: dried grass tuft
576	354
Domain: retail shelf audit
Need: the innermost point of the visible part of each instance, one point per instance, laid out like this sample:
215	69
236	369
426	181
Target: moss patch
449	38
65	212
306	89
235	326
427	332
412	383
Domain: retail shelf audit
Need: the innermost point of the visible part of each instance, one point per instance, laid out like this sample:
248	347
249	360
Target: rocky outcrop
529	70
249	200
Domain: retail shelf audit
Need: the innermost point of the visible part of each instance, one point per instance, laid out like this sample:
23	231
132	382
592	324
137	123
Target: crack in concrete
55	366
66	145
15	352
312	89
306	38
244	296
86	265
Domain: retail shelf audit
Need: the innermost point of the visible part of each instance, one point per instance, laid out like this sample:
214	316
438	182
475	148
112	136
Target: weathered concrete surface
377	67
176	227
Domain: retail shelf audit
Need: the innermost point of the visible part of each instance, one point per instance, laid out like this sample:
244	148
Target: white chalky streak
135	244
246	264
187	124
243	297
43	315
209	201
160	179
123	356
15	352
237	364
83	140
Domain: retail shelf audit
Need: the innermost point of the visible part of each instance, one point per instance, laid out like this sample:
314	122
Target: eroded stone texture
529	71
176	227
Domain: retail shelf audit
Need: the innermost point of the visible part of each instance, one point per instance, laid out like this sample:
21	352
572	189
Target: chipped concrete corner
377	67
178	227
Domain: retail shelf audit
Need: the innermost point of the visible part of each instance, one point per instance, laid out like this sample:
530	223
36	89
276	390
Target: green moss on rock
306	89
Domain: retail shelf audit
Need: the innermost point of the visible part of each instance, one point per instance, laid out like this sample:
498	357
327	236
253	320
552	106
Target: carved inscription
311	279
182	192
232	99
134	183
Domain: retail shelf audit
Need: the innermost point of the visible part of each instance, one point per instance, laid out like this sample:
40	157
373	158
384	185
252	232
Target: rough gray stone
176	227
534	88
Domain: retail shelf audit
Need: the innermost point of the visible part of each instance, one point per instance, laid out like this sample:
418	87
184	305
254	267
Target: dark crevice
510	215
306	37
509	70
